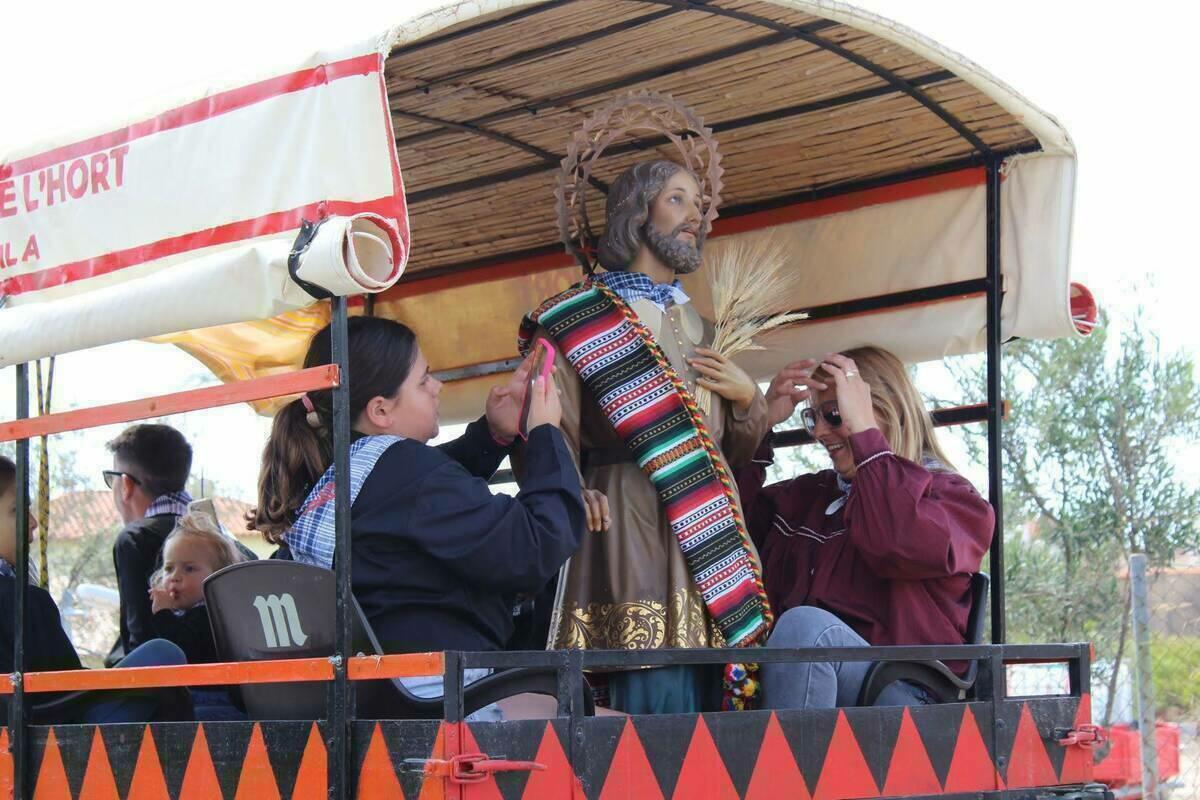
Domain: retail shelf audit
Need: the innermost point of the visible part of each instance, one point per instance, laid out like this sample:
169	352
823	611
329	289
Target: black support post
340	716
995	296
18	729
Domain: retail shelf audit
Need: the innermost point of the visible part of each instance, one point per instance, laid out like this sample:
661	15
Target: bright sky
1124	93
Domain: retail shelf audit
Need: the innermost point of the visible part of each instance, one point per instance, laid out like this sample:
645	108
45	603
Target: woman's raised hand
545	408
791	385
504	403
721	376
853	393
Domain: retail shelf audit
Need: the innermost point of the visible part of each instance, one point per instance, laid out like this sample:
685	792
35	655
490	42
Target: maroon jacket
894	563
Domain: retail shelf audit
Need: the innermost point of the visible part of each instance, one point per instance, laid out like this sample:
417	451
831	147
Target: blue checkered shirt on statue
633	286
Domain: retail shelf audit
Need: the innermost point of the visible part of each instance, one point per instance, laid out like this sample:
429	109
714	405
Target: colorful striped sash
655	415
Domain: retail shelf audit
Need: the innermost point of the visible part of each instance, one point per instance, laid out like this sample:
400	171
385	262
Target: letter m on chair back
280	620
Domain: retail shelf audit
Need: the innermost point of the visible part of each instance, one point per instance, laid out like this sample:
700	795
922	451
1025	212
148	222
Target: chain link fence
1166	613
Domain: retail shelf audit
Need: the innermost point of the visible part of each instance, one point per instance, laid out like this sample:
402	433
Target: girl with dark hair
437	558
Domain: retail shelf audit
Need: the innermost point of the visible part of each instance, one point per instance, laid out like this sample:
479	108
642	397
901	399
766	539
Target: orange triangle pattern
703	773
148	781
312	779
630	774
1028	763
6	765
1078	762
775	773
971	768
377	780
557	780
257	781
910	771
98	781
52	777
434	788
200	777
488	790
845	773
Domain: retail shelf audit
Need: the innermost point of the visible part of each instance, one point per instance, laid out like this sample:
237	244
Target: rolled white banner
352	255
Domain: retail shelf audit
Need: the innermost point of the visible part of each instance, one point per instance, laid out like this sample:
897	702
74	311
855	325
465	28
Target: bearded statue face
656	204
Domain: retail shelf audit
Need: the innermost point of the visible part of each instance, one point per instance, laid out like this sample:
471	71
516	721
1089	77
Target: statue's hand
721	376
596	505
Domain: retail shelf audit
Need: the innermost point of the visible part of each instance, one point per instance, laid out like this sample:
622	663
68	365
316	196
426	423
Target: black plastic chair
941	681
269	610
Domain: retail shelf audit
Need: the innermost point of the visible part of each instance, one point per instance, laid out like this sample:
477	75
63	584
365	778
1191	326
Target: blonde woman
879	549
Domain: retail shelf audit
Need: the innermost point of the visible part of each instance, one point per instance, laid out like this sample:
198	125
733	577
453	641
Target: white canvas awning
857	141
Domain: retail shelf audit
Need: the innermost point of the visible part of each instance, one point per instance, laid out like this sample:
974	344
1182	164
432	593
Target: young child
195	549
47	648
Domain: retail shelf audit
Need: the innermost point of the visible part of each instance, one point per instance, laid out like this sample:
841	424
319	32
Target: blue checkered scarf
312	537
633	286
173	503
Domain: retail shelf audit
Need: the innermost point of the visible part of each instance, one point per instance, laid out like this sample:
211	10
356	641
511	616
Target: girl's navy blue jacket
438	559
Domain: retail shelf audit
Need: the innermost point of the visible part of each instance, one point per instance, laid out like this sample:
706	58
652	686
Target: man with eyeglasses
151	464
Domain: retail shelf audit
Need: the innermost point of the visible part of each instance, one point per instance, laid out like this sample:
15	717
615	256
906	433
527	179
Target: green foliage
1176	662
1090	477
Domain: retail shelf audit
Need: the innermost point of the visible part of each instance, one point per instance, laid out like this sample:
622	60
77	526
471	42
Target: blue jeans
428	686
824	684
154	653
213	704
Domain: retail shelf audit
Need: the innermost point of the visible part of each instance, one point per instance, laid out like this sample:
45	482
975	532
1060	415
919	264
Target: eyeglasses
829	410
111	475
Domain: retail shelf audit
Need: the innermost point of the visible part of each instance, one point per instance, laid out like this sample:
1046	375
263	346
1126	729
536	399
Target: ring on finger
850	373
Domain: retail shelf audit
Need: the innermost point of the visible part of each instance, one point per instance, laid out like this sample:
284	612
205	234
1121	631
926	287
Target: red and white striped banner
237	165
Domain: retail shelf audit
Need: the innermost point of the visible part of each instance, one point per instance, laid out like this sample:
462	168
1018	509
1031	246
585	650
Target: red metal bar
284	670
176	403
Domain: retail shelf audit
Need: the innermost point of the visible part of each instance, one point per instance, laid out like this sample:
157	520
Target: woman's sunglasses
828	409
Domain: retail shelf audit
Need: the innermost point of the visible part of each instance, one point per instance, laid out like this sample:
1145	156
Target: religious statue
668	562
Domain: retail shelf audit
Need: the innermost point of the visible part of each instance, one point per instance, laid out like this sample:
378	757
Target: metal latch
468	767
1085	735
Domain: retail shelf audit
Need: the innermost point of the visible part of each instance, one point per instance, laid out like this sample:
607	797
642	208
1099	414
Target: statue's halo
644	111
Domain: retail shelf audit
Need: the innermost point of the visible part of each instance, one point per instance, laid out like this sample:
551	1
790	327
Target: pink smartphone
543	364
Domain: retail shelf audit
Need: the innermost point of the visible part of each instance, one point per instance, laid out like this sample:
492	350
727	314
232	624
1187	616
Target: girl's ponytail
296	455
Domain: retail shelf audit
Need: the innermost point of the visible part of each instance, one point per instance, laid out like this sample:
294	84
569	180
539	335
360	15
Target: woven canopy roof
857	144
483	108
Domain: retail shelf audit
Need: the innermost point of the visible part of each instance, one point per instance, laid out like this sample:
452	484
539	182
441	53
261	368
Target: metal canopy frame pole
340	717
17	722
995	297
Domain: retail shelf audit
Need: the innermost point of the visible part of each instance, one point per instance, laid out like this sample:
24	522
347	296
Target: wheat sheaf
748	279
